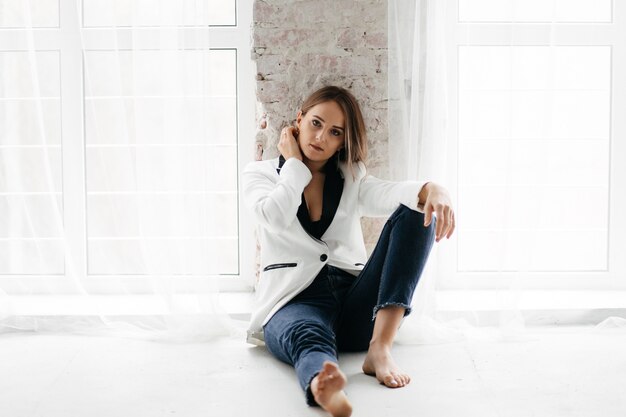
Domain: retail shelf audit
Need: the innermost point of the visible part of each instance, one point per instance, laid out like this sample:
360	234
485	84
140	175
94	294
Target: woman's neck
316	167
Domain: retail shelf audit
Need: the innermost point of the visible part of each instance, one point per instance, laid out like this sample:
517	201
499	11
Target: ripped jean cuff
310	399
407	308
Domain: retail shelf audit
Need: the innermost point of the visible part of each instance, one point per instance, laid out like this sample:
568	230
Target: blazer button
323	257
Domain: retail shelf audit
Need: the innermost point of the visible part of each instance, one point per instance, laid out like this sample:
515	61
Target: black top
333	187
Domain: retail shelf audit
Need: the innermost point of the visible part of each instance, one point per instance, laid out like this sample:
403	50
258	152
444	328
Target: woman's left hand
436	199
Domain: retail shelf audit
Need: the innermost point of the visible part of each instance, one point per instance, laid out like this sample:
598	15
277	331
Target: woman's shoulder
264	166
359	169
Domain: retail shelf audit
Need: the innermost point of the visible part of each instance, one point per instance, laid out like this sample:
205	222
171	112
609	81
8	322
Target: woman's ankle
380	345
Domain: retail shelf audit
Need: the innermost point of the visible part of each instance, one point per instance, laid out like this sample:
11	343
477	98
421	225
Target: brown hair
355	147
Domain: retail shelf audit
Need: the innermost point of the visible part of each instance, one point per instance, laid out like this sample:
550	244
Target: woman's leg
301	334
381	295
379	362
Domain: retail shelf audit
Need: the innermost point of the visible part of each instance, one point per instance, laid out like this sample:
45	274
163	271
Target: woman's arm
275	204
379	198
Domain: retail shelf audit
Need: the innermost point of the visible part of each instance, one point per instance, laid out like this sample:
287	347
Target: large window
77	132
537	143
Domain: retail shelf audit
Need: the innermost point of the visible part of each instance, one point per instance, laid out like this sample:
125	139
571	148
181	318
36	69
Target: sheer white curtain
514	118
118	176
418	89
418	133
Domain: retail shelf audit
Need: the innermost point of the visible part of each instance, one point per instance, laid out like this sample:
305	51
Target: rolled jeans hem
407	308
312	364
310	399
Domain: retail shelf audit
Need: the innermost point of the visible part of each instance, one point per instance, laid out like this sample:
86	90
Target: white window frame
65	39
611	34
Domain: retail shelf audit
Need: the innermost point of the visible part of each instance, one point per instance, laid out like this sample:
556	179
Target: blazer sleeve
380	198
275	204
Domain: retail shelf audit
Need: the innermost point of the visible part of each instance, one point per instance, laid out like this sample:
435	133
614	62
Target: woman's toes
398	379
390	381
401	379
330	367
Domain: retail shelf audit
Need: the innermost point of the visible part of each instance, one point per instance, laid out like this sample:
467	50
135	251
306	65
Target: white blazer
290	257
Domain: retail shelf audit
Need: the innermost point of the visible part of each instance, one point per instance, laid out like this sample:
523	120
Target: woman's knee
301	336
413	219
311	334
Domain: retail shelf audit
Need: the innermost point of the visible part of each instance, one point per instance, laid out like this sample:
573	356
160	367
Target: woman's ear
299	118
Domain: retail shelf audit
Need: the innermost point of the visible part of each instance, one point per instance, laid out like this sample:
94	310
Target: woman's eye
316	122
335	132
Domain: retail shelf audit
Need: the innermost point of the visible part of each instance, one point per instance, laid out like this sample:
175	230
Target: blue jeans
337	311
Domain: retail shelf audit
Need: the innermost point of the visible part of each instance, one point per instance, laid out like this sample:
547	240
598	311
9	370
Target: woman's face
322	131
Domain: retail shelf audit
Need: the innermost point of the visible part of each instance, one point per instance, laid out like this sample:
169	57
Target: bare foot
380	364
327	389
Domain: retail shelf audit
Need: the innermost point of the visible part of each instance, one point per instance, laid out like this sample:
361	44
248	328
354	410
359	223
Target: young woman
318	293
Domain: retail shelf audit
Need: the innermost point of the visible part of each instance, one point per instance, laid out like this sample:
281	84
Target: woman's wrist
423	194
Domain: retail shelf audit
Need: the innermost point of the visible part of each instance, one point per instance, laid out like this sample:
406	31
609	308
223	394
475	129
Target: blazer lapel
281	162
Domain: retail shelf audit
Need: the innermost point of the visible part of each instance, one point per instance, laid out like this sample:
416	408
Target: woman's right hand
288	145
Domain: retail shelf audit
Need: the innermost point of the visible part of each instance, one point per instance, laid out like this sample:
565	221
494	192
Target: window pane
528	206
31	235
118	215
31	216
176	256
534	150
25	14
20	67
529	250
37	256
158	149
36	169
171	73
198	120
108	13
197	169
537	162
535	11
31	209
31	122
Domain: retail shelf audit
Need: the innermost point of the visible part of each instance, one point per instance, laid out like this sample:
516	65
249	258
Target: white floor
557	372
